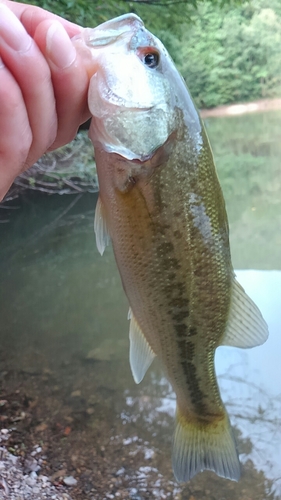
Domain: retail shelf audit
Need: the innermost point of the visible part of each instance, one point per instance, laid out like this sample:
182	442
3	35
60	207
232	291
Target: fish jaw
134	106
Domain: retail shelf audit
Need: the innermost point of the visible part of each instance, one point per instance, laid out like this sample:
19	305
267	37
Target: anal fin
246	326
101	227
141	354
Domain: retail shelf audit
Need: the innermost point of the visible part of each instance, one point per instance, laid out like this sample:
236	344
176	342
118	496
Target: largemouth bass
162	207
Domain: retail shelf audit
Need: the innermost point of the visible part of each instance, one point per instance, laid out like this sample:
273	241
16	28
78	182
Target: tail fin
198	446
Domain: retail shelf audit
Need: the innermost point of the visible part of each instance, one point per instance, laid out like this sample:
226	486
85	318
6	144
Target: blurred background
226	51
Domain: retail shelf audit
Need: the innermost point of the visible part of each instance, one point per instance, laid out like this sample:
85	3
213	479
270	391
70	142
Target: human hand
43	86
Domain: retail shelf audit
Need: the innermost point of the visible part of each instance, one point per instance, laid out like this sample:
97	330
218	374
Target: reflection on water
251	379
247	150
64	346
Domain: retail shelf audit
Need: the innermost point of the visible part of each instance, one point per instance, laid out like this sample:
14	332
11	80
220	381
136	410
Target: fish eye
151	59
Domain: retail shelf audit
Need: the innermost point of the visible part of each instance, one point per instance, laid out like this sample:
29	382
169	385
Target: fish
161	205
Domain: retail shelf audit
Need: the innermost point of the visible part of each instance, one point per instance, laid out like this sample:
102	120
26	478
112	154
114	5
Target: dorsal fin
101	228
141	354
246	326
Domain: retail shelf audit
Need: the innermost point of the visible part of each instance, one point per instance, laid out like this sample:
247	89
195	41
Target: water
64	340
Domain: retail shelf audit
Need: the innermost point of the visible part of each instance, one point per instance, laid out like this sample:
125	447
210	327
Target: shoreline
260	105
60	172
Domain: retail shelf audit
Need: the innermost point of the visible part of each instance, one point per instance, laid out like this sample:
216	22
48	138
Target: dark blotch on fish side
180	316
181	330
178	235
165	247
160	228
177	302
171	264
192	331
172	276
197	396
187	354
190	347
174	288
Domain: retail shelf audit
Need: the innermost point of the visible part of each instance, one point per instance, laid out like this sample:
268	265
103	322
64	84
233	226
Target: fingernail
12	31
59	47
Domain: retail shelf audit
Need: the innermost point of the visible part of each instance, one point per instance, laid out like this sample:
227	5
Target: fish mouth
128	100
109	32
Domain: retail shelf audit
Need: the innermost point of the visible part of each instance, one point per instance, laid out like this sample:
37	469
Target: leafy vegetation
227	52
165	14
233	54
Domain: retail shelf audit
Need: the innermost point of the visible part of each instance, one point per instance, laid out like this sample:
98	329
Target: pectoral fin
141	354
101	227
246	326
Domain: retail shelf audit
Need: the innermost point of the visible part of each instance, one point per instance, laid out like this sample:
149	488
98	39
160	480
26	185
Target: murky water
64	339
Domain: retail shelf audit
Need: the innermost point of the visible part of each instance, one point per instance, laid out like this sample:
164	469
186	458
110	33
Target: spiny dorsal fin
197	447
246	326
100	226
141	354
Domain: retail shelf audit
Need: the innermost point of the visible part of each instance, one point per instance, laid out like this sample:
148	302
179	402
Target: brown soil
83	437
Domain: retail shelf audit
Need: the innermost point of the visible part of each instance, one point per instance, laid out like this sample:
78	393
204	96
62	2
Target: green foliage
157	14
83	12
233	54
227	51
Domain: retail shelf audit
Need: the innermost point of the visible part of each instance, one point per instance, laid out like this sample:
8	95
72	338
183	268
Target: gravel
22	481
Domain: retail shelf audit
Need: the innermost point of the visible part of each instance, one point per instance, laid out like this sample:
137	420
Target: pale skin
43	86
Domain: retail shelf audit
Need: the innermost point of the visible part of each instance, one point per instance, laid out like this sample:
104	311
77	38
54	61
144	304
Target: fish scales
168	272
162	207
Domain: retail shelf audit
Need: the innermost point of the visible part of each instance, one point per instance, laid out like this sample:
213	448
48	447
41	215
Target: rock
41	427
57	474
76	394
99	354
31	465
69	481
16	484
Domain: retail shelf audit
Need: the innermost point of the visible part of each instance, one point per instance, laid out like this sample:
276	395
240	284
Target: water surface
64	339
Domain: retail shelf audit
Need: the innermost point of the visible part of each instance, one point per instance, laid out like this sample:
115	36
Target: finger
69	76
15	132
31	16
31	71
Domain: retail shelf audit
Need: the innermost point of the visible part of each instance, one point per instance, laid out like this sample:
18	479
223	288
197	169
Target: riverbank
67	170
72	169
243	108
